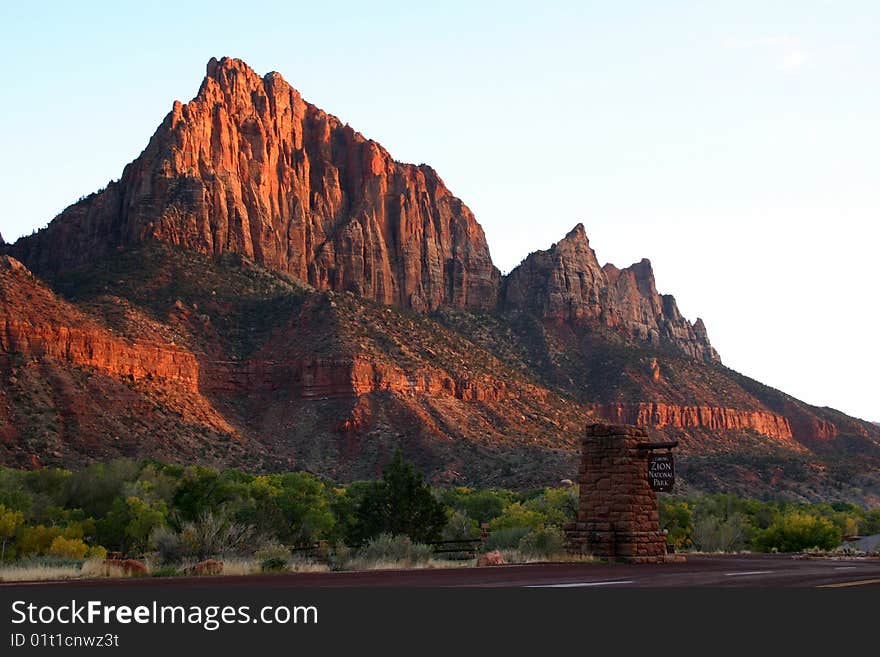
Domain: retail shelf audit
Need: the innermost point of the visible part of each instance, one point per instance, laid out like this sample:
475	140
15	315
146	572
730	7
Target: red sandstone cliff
36	324
566	283
248	166
661	415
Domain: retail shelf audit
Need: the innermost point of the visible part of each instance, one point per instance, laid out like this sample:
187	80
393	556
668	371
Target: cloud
786	50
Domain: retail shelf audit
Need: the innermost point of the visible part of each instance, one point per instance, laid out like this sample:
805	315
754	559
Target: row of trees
139	507
724	522
130	506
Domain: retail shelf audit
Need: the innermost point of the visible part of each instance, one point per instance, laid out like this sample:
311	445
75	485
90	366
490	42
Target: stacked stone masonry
617	514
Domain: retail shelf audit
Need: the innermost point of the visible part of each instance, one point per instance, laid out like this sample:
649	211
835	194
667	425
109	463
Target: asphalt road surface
699	570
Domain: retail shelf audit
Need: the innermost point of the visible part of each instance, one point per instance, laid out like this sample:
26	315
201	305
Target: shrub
506	539
96	552
543	542
460	526
167	543
394	549
68	548
274	551
214	535
102	568
713	534
340	557
164	571
273	565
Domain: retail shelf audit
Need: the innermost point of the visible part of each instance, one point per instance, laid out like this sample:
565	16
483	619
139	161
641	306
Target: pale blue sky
736	144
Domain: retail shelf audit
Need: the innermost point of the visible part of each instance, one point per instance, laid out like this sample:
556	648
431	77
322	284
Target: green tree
128	524
143	518
796	531
677	519
295	507
557	505
14	493
517	515
96	487
871	523
203	490
10	521
481	505
305	506
400	504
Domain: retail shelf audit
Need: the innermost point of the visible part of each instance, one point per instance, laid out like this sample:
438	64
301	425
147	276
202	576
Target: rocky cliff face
37	325
248	166
661	415
566	283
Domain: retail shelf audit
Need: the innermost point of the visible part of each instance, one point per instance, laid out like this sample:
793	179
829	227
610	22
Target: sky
735	144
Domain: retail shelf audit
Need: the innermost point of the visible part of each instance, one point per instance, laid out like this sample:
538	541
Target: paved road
700	570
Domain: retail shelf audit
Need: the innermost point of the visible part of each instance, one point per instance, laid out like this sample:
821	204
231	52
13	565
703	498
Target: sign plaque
661	472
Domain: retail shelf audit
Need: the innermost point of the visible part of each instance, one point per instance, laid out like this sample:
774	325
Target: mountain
265	287
249	167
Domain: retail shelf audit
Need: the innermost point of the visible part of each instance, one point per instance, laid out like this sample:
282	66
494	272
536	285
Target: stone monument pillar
617	512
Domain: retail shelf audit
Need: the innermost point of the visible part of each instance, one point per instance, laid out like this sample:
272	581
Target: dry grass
517	557
91	569
38	573
383	564
239	566
308	567
233	566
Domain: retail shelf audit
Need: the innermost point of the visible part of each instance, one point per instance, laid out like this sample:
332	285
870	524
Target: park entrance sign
661	472
618	517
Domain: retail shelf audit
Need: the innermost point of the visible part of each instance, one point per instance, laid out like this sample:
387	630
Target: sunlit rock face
248	166
566	283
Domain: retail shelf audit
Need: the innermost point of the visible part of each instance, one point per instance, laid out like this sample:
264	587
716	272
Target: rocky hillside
264	287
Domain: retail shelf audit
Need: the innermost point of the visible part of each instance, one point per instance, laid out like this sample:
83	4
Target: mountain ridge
248	166
264	286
